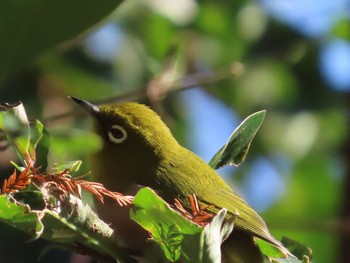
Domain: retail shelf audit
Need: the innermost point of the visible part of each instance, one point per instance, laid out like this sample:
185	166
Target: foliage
46	204
242	58
237	147
40	26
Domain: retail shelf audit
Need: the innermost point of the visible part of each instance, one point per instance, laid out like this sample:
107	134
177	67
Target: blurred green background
204	66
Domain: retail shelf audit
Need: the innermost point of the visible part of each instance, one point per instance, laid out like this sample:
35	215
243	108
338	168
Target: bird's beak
87	106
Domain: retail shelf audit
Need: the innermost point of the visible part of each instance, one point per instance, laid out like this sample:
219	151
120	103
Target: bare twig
161	88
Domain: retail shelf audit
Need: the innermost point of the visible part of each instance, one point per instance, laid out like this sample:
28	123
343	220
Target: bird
138	151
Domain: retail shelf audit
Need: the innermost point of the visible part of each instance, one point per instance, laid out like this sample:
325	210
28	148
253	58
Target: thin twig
190	81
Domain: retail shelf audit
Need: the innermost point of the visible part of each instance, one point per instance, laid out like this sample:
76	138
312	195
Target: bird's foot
198	214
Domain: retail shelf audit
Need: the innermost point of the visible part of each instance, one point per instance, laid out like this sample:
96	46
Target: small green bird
139	150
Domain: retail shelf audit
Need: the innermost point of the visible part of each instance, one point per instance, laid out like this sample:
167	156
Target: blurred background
204	66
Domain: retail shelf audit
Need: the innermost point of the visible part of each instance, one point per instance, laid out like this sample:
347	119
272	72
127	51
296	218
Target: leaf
40	141
70	222
15	126
30	27
296	248
180	239
77	141
214	234
237	146
78	223
272	254
30	141
269	250
287	260
20	216
167	227
33	199
70	166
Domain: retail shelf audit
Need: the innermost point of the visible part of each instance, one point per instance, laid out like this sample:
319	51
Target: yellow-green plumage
150	156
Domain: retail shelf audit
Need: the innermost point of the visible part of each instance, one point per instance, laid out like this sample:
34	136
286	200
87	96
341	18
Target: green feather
150	156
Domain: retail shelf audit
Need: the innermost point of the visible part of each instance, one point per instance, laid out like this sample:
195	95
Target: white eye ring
117	134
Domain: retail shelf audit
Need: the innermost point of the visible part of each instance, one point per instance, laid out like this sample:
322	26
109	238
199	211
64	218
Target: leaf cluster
48	204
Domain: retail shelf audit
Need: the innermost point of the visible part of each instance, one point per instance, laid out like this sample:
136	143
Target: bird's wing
183	180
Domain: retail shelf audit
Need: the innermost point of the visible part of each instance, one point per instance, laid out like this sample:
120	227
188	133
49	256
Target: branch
162	86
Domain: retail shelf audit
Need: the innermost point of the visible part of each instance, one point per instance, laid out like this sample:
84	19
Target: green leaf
268	249
287	260
30	27
180	239
301	252
77	223
32	199
31	141
296	248
214	233
15	127
69	222
236	148
40	141
19	215
70	166
77	141
167	227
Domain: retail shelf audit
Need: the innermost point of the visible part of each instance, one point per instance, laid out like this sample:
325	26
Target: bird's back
184	173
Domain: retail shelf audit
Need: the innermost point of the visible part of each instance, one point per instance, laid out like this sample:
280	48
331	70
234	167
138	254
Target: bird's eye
117	134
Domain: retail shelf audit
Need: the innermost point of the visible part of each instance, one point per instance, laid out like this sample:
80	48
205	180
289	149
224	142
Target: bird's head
135	139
